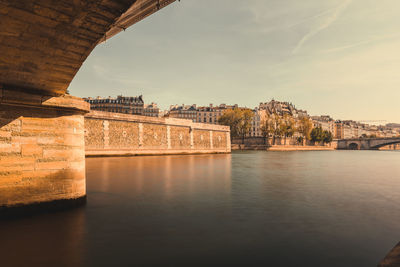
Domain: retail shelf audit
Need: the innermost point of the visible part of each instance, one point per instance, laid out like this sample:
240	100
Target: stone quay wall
115	134
280	144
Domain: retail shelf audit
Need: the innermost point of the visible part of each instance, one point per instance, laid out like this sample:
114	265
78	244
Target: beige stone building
343	130
352	129
212	113
151	110
325	122
259	117
282	108
120	104
188	112
206	114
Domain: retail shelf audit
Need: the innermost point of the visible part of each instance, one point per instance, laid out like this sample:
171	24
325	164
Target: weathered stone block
201	139
123	134
180	138
41	151
154	136
56	165
31	150
10	148
219	139
6	134
94	134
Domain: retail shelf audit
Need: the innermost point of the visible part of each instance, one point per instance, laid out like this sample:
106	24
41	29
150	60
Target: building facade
259	118
340	129
212	113
282	109
188	112
151	110
206	114
120	104
325	122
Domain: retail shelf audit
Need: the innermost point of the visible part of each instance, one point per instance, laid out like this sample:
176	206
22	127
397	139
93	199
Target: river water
328	208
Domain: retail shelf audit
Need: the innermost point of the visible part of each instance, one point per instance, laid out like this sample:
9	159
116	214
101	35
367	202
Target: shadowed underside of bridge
43	43
387	143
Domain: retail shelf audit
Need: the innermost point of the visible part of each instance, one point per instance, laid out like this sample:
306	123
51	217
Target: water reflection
46	240
250	208
164	176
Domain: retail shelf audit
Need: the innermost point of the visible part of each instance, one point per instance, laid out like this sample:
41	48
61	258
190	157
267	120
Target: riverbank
282	148
301	148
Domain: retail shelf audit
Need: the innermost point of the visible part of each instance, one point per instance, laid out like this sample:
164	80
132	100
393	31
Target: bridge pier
42	152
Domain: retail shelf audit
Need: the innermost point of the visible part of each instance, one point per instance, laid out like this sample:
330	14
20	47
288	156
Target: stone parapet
108	134
154	120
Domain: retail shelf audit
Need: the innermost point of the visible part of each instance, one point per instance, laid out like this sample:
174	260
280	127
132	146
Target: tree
305	128
231	118
327	137
316	135
276	128
321	136
288	126
244	125
300	140
266	128
238	120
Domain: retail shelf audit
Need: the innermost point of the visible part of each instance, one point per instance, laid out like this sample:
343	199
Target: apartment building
212	113
188	112
120	104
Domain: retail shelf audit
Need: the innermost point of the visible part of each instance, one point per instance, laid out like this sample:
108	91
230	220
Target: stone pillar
106	134
140	135
191	138
42	150
228	141
211	140
168	137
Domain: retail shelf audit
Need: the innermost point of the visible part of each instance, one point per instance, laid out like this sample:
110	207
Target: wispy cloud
121	77
334	15
371	40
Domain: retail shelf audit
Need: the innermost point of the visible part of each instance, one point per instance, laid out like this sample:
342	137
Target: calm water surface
336	208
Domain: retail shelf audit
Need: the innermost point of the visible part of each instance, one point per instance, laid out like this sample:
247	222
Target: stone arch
386	144
354	146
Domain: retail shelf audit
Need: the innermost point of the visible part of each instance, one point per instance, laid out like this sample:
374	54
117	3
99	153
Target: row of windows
115	106
209	114
186	116
212	110
215	115
114	102
134	111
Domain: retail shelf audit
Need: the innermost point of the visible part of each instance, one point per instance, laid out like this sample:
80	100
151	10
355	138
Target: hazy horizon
337	58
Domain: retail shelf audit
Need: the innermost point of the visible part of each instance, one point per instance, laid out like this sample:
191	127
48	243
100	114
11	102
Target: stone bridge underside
43	43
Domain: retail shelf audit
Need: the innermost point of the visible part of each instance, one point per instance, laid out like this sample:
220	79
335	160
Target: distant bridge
367	143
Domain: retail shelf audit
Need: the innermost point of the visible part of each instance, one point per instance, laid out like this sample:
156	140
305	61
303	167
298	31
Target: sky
330	57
